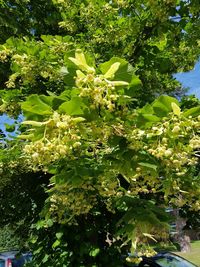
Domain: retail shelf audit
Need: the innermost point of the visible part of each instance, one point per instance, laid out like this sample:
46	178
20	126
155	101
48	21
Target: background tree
28	18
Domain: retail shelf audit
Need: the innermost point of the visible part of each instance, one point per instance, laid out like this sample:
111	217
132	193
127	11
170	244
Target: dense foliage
158	38
99	157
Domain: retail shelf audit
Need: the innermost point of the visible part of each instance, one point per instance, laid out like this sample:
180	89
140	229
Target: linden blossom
54	144
98	88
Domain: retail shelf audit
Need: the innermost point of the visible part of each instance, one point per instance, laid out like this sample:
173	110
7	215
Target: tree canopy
101	152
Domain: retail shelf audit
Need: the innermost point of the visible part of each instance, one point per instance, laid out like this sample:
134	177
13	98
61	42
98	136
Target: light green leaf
94	252
64	71
81	62
36	104
79	119
73	107
148	165
59	235
112	70
80	74
176	109
49	222
150	236
119	83
194	112
35	123
25	136
56	244
45	259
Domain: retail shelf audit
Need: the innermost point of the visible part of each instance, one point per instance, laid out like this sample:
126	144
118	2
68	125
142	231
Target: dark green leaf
9	128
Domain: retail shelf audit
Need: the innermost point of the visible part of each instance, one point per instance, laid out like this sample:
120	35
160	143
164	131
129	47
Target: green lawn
194	255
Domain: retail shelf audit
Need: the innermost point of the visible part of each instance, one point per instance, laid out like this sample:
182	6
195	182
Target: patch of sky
191	80
6	121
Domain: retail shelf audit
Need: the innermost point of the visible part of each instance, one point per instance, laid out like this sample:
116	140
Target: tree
154	37
113	165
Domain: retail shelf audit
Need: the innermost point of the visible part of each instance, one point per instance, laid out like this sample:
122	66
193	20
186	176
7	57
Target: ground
194	255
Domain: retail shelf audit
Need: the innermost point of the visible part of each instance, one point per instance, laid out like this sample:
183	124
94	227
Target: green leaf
56	244
35	252
147	109
124	72
70	70
45	259
150	117
146	120
94	252
148	165
194	112
49	222
112	70
163	105
75	106
135	83
9	128
37	104
40	224
59	235
176	109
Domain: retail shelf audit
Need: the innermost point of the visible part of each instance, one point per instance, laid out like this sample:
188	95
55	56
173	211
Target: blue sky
4	119
191	79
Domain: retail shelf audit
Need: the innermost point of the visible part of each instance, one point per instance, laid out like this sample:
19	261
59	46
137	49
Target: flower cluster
196	205
74	198
101	91
26	69
173	148
4	54
29	67
165	141
11	108
61	137
108	185
70	201
12	79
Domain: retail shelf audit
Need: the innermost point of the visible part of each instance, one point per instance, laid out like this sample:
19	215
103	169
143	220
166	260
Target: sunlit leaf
111	72
176	109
